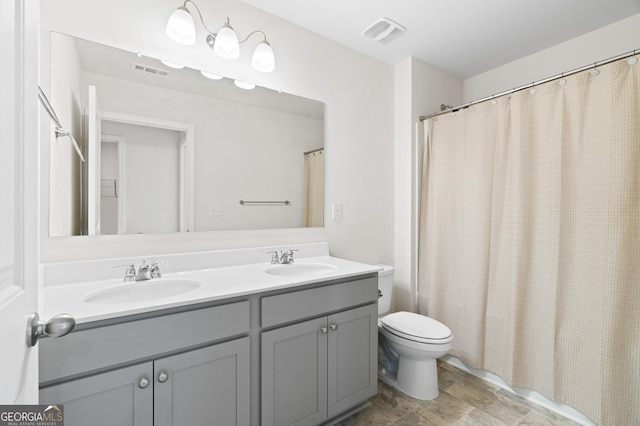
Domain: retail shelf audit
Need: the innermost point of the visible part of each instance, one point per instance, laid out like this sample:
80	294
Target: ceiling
463	37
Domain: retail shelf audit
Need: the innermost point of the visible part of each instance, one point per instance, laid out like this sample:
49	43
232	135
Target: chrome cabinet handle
58	326
163	377
323	329
334	327
143	383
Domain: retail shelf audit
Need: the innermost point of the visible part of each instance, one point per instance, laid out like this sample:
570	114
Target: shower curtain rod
314	150
535	83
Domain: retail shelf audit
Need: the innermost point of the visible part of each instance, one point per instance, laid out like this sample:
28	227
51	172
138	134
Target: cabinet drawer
97	348
297	305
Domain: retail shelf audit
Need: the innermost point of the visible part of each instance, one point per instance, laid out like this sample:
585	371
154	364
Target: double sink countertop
110	298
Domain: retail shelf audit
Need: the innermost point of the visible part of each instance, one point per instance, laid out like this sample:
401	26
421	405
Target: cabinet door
121	397
203	387
353	358
294	374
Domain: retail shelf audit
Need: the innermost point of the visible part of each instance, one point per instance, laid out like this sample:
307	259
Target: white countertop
215	284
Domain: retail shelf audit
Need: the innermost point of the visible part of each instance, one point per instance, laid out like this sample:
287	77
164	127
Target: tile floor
464	400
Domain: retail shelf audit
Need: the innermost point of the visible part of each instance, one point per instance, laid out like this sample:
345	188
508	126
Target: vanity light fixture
181	29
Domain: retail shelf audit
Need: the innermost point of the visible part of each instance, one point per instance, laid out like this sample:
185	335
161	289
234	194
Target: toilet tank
385	287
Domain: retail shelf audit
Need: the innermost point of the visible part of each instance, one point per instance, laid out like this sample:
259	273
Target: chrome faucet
144	272
282	257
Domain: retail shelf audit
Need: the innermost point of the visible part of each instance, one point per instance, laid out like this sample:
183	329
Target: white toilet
409	345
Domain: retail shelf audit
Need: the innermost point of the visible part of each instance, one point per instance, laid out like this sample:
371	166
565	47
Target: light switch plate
215	210
336	212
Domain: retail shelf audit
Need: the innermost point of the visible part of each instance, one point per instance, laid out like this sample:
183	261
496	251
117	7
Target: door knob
58	326
323	329
143	383
334	327
163	377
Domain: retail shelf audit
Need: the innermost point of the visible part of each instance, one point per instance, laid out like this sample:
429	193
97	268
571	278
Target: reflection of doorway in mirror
145	183
112	184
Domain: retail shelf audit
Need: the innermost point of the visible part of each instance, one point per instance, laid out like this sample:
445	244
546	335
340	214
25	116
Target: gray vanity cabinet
294	374
353	358
200	387
172	369
122	397
317	369
208	386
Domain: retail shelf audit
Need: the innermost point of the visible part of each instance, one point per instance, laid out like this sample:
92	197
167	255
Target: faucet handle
155	268
130	272
275	256
290	255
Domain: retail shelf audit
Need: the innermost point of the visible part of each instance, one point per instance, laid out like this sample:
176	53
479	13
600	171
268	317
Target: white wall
612	40
357	91
419	90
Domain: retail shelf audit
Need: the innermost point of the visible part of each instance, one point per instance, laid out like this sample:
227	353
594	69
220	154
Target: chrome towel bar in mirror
59	128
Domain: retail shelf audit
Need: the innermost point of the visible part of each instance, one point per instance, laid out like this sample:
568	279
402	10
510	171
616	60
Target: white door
94	140
18	198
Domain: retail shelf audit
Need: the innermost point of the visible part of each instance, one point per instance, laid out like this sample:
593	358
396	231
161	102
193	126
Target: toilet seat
417	328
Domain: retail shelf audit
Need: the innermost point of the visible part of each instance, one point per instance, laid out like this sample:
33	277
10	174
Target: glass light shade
211	75
226	45
180	27
263	59
244	85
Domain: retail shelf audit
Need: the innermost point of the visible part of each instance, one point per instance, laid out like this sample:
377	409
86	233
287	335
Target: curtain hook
595	71
562	81
633	60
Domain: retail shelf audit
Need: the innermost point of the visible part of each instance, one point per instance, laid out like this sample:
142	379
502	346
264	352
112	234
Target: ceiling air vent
147	68
383	30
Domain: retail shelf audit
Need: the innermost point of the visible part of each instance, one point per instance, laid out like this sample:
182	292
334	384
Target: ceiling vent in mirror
383	30
147	68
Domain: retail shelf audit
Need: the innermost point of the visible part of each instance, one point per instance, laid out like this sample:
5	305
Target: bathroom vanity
297	348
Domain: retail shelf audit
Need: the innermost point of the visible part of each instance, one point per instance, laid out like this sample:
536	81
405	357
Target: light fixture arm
211	33
211	38
252	33
200	15
181	29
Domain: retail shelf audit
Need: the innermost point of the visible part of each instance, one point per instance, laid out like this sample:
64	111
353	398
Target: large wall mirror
173	150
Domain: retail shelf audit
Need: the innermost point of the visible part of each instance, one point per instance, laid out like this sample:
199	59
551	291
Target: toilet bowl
409	345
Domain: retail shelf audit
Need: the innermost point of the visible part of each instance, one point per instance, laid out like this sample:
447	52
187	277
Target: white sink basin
141	291
301	269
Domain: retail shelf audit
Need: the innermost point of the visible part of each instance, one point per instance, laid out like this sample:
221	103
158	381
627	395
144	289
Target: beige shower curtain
313	213
530	239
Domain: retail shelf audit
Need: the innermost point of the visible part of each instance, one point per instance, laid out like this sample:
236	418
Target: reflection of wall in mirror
110	170
151	168
65	168
241	152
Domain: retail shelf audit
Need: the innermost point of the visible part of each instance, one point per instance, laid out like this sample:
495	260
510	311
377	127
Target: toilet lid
416	327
